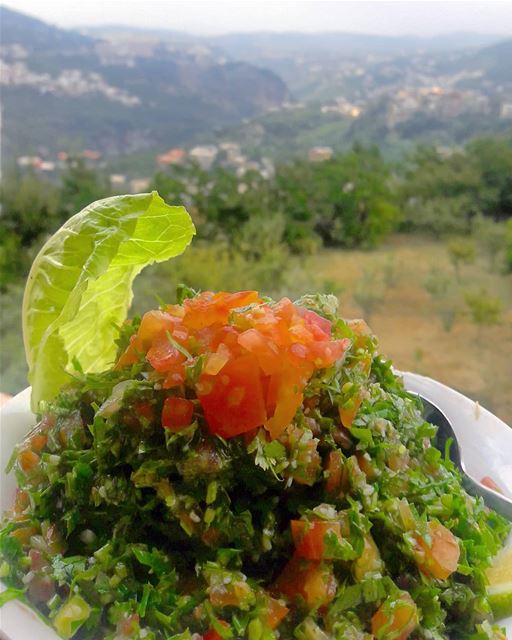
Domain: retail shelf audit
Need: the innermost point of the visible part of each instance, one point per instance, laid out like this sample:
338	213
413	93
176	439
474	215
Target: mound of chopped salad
247	469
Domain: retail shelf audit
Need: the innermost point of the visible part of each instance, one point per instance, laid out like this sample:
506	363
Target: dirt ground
476	361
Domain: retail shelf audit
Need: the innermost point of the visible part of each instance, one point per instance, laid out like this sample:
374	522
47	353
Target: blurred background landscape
377	167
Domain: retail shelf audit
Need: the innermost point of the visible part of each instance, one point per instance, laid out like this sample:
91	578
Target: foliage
508	246
485	309
461	251
443	192
442	291
347	200
491	238
81	185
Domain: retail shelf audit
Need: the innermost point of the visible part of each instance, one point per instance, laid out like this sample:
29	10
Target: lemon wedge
499	590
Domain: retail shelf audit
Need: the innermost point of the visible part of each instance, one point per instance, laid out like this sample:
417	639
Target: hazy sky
213	17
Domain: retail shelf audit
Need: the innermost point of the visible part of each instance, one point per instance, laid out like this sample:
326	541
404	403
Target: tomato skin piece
325	354
177	413
162	355
395	619
309	538
310	580
313	319
440	559
233	401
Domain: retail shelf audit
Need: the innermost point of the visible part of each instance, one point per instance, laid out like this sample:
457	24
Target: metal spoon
497	501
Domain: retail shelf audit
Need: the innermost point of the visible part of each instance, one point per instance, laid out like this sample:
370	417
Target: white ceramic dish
489	456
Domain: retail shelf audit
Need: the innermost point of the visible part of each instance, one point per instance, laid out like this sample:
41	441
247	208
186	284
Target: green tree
461	251
485	310
81	185
30	206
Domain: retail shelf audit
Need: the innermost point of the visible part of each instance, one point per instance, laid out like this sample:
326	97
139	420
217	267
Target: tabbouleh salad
247	469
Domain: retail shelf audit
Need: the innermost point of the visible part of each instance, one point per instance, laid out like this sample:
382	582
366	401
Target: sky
215	17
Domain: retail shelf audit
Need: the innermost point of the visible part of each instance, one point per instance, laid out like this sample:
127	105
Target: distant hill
64	89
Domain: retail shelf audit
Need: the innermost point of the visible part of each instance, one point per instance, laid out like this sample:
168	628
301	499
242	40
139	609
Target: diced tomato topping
257	357
440	558
396	619
233	401
177	413
266	351
163	355
211	634
310	580
310	538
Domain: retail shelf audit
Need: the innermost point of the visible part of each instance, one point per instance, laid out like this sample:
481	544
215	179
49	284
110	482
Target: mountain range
134	92
65	89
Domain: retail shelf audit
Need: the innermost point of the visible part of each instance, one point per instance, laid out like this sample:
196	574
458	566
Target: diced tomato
366	466
154	323
145	409
314	319
175	376
310	580
275	612
128	625
41	588
334	474
22	501
177	413
396	619
28	460
38	441
233	401
440	558
23	534
285	393
265	350
163	355
310	538
369	562
217	360
211	634
207	308
348	414
37	560
325	354
234	594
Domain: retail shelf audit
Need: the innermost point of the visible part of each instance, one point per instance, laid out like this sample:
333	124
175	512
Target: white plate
490	457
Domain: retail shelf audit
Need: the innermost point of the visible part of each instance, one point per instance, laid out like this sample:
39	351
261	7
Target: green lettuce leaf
80	285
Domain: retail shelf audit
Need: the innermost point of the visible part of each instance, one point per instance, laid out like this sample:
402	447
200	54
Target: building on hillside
506	111
320	154
91	156
204	155
139	185
173	156
117	181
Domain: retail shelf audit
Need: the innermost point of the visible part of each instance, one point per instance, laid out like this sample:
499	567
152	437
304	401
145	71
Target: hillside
64	88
